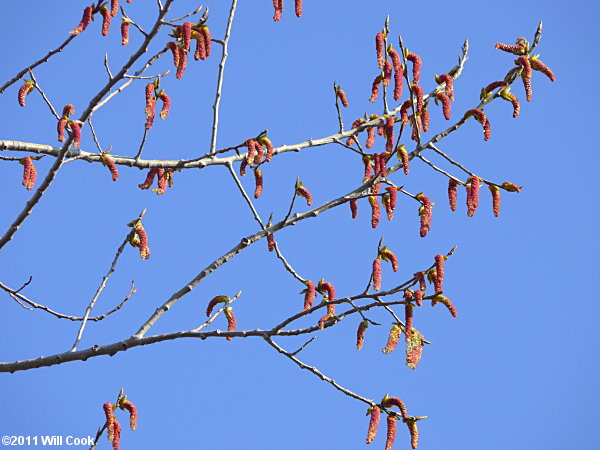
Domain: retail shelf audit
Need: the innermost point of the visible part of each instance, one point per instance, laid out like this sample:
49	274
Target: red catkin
114	7
149	180
76	130
472	196
420	276
447	78
149	110
418	296
452	188
360	335
205	31
482	119
389	134
133	414
375	88
143	245
486	91
112	167
200	52
310	294
182	63
393	339
354	208
175	51
251	151
85	21
446	302
391	432
231	321
106	19
258	178
379	42
403	155
60	128
125	31
298	8
164	112
414	433
408	318
509	96
367	161
342	96
29	173
116	441
373	423
110	420
214	301
370	137
303	192
375	211
425	119
278	5
385	199
439	267
391	257
514	49
328	288
387	73
270	242
445	101
186	35
527	87
523	61
487	131
398	72
425	214
68	110
389	402
243	166
269	145
376	274
24	91
417	65
161	182
393	193
536	64
417	90
495	199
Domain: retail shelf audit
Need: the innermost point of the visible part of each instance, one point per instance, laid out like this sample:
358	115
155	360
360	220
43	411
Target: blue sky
517	369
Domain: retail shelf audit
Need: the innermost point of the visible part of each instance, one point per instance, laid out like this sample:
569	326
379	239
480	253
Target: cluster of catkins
113	427
164	176
413	338
107	15
256	156
152	95
375	416
390	63
231	320
278	5
328	291
73	125
472	186
181	46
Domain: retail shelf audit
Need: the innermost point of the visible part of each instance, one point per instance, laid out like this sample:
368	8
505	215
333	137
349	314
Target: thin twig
215	125
113	265
40	90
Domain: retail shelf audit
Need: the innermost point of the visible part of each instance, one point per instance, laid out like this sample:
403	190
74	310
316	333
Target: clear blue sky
517	369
